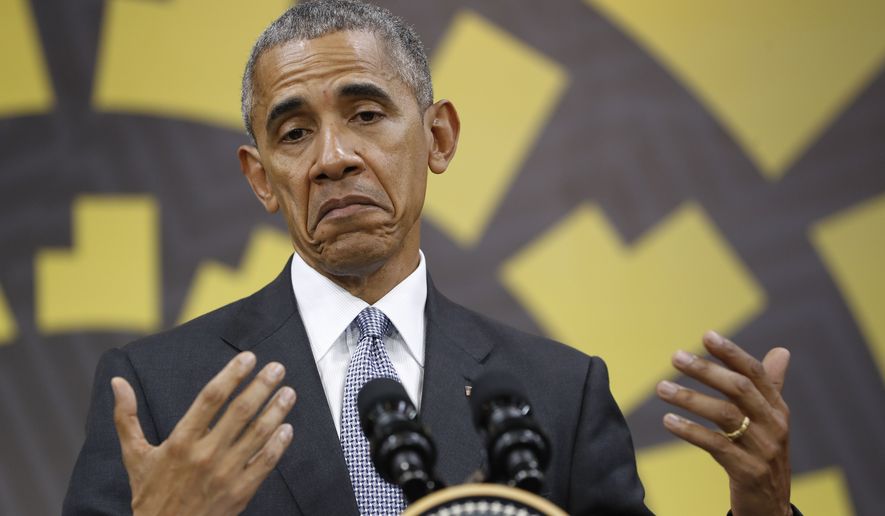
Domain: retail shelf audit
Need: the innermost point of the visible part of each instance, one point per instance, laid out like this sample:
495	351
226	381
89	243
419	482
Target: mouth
344	207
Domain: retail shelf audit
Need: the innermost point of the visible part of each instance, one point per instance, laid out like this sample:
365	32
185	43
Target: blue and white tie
374	495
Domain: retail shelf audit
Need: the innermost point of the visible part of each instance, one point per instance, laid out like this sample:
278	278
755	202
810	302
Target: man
338	101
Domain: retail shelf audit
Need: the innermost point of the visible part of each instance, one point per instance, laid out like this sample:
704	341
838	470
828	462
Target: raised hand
200	470
753	445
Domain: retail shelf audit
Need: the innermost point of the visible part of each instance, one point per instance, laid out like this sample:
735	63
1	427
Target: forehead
344	55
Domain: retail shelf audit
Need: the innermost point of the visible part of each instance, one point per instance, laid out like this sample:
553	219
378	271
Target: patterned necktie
374	495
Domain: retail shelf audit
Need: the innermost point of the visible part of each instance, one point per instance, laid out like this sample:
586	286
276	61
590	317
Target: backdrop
631	174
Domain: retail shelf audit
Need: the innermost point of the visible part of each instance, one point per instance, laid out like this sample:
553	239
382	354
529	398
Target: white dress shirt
328	312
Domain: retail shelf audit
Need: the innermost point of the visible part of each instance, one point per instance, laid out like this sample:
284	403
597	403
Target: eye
294	135
368	117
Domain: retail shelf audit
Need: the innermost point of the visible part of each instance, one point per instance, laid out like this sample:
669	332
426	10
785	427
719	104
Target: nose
336	156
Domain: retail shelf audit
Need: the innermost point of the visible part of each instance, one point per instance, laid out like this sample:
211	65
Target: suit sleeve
99	484
603	477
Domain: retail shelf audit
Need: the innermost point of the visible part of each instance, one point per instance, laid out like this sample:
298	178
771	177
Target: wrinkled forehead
329	57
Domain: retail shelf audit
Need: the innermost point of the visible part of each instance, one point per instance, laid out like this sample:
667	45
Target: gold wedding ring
734	436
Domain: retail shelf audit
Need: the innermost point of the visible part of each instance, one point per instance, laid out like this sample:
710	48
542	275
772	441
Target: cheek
407	183
409	195
292	189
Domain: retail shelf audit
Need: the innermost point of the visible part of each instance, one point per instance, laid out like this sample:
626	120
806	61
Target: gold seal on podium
482	500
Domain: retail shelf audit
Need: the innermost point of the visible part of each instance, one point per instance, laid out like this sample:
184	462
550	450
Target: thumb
126	418
775	364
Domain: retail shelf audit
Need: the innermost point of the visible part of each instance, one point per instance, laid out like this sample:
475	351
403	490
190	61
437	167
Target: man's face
343	149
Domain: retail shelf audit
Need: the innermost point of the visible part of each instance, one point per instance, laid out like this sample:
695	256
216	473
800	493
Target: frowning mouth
344	207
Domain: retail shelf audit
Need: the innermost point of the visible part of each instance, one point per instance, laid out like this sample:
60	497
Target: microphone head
380	391
517	450
491	386
401	449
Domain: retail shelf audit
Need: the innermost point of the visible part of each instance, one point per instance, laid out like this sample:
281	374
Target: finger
742	362
775	363
737	387
260	430
244	407
266	459
723	413
126	417
213	395
714	443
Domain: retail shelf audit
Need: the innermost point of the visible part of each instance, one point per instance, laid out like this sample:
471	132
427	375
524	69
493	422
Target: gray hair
314	19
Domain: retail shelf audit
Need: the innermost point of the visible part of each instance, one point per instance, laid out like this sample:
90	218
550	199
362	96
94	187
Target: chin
357	255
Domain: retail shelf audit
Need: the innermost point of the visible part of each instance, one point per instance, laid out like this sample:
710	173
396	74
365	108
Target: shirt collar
327	309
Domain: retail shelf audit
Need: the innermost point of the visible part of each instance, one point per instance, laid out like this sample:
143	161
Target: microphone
517	449
400	445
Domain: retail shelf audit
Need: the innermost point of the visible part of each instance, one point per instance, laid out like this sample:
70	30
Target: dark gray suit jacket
592	470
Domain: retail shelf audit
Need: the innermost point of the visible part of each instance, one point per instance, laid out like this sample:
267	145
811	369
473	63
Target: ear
250	163
444	130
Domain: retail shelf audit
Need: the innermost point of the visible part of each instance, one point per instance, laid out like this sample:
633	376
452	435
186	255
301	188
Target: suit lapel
453	359
313	467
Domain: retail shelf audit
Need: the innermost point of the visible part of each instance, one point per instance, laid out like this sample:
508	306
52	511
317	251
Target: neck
375	285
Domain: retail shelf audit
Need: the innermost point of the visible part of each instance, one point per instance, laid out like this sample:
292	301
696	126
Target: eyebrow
282	108
365	90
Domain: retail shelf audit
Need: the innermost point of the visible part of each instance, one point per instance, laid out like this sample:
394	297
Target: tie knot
372	323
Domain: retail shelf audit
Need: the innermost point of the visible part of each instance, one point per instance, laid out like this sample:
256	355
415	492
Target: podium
482	500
